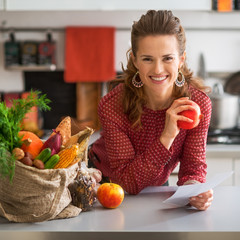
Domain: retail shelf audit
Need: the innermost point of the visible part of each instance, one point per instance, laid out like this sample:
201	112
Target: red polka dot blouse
136	159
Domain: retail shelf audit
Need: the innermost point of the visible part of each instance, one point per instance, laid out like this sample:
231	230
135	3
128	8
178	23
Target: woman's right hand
171	128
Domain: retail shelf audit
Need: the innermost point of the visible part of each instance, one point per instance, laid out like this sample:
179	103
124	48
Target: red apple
110	195
195	115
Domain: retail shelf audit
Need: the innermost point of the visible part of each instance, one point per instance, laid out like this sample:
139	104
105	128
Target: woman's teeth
159	78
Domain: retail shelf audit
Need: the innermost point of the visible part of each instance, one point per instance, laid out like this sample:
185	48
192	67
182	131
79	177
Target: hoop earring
180	83
135	83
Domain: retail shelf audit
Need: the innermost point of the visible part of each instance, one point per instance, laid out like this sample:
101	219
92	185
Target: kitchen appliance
225	109
232	86
225	136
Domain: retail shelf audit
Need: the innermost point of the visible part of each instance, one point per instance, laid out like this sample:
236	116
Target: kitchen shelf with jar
29	55
51	67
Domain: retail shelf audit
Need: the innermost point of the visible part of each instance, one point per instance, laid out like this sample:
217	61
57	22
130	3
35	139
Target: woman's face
157	60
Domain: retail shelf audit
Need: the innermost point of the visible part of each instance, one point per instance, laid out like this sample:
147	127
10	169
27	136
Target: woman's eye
147	59
168	59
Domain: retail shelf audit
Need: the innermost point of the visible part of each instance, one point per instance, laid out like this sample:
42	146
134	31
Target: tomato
110	195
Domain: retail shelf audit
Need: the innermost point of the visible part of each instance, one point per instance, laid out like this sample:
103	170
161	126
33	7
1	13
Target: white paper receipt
183	193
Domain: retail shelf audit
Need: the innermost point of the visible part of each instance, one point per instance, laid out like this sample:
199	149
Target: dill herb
10	125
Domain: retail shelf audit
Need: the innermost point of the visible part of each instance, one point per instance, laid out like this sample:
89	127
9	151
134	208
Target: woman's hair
154	23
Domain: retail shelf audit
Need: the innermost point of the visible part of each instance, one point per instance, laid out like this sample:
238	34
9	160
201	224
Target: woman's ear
182	59
133	59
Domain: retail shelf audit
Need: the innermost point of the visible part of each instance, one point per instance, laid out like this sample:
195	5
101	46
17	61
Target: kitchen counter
213	150
223	151
145	212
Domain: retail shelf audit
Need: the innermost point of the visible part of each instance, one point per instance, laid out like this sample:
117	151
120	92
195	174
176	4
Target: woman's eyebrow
170	54
145	55
165	55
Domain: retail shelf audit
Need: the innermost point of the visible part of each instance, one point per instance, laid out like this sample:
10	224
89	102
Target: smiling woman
141	142
158	68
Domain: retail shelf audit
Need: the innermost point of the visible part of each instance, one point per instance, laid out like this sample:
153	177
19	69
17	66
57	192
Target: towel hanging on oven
89	54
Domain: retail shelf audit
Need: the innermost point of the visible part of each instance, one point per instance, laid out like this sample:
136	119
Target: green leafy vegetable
10	125
7	163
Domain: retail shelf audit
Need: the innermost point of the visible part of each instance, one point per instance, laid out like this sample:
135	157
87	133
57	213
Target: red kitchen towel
89	54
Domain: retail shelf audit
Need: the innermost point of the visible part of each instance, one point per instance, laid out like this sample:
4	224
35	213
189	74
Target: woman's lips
158	79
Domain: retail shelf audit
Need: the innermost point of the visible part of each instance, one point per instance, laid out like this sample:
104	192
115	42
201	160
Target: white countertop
146	212
223	151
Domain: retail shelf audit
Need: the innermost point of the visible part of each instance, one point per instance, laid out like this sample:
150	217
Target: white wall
221	48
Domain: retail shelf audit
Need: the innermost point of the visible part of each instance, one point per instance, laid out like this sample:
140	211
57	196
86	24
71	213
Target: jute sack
37	195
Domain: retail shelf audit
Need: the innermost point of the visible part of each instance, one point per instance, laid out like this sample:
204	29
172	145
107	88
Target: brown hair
160	22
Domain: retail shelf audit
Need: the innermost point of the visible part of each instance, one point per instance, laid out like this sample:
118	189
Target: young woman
141	143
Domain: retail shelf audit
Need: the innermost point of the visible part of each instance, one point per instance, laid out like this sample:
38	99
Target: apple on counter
110	195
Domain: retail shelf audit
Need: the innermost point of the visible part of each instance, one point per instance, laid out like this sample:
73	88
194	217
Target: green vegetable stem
10	122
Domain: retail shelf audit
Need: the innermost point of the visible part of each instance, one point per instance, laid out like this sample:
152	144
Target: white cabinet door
220	165
237	172
172	180
41	5
215	165
2	4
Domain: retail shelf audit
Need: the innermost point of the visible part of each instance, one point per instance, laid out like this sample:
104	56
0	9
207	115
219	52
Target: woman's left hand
202	201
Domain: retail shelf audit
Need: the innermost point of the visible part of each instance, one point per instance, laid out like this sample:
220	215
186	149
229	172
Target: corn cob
79	137
67	156
81	152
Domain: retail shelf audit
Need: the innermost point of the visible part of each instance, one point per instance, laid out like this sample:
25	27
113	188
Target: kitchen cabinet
220	165
172	180
223	158
2	4
106	5
215	165
237	172
220	158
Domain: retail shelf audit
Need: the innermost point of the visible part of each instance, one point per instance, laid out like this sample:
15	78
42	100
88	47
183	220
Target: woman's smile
159	79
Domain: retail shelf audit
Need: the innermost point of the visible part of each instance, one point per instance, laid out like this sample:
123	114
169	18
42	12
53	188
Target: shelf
32	68
106	5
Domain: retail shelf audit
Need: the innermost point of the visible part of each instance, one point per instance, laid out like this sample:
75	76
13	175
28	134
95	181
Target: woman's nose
158	67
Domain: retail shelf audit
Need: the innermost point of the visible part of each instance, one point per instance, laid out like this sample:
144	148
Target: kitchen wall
221	48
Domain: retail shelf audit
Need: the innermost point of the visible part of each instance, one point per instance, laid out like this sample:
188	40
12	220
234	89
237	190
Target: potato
38	163
19	153
27	161
28	154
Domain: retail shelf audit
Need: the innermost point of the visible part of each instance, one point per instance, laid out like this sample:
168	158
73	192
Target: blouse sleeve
132	171
193	160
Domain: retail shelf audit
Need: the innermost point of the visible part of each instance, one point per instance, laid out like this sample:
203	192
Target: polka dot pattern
136	159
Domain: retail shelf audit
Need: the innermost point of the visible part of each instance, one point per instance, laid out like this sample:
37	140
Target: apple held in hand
110	195
195	115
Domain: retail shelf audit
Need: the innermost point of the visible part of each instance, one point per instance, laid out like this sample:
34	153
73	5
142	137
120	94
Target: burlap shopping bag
37	195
